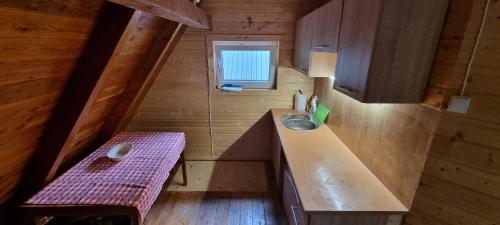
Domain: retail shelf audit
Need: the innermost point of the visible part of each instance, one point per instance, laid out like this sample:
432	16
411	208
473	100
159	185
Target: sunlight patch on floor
234	176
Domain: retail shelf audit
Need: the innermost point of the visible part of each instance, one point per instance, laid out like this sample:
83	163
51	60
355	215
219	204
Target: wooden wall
461	179
393	139
390	139
39	44
454	51
239	127
118	71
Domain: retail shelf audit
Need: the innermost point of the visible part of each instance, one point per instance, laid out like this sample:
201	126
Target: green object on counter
321	113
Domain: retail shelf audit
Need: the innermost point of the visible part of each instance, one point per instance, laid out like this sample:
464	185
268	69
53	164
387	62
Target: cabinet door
303	36
326	27
297	56
291	201
357	36
276	156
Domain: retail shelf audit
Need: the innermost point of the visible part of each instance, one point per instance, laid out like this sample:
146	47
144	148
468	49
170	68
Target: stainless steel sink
299	122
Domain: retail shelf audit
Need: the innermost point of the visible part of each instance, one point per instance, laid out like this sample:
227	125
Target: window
250	64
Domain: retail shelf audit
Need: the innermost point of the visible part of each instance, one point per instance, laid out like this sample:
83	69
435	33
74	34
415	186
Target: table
98	186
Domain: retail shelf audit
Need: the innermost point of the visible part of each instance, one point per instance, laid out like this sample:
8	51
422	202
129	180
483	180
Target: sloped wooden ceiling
42	47
39	45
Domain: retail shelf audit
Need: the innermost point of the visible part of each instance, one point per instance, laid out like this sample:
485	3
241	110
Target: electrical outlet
459	104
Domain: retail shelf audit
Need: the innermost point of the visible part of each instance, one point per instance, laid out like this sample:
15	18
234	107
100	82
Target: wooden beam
182	11
81	90
142	79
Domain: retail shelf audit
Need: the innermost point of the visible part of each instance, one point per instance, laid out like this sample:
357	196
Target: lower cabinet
296	215
291	201
295	212
276	154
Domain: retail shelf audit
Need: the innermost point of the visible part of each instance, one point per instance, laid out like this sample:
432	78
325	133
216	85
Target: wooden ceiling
105	68
111	30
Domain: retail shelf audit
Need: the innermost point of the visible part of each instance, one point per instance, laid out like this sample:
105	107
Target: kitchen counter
328	176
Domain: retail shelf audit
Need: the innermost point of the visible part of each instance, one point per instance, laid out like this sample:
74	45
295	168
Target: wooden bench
97	186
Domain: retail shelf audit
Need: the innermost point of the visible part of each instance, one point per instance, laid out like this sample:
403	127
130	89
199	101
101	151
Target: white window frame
272	46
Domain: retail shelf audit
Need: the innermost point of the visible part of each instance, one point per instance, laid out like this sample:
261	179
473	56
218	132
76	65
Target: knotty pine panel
300	8
23	71
21	91
178	100
461	176
430	211
40	42
454	51
66	8
22	24
15	50
239	128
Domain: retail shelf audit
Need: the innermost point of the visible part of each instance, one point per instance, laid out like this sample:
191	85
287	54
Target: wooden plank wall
461	179
454	51
393	139
390	139
39	44
240	129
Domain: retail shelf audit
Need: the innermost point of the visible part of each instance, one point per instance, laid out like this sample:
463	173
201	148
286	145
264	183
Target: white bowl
119	151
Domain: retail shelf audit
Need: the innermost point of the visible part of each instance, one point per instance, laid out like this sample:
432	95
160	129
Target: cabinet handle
293	214
321	46
289	177
345	89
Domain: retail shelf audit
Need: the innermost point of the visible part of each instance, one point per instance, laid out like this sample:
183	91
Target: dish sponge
321	113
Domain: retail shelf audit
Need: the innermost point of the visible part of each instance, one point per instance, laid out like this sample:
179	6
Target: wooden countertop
328	176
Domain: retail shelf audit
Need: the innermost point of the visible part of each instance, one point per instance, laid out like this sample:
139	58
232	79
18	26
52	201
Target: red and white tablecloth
135	181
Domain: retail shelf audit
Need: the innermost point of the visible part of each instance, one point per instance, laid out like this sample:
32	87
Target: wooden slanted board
182	11
142	79
112	24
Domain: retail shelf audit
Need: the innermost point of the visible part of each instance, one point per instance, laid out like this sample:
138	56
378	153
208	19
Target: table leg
134	220
184	172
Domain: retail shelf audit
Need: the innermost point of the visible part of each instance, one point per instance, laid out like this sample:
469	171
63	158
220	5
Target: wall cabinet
303	37
326	27
386	49
318	31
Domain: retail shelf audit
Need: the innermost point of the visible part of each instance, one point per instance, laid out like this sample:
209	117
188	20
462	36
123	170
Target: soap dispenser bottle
314	103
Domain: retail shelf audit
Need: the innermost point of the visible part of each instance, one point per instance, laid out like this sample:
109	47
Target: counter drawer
291	201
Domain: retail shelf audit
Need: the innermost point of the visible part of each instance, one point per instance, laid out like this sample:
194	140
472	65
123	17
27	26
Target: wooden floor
218	193
230	176
216	208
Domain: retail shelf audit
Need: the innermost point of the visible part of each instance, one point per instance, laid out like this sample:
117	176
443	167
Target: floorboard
216	208
232	176
225	193
218	193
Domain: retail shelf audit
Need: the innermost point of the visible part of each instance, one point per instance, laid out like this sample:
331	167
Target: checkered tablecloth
135	181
